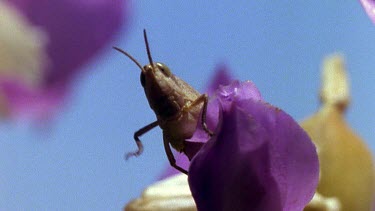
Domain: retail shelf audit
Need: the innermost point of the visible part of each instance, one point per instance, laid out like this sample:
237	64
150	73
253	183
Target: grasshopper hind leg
137	134
204	113
171	159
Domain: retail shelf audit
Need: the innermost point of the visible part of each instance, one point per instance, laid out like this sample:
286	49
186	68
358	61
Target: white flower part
335	83
172	193
22	47
322	203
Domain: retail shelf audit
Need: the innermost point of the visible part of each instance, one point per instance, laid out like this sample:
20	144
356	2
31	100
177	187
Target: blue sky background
78	164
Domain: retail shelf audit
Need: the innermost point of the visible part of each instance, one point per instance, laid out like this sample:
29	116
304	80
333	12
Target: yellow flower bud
346	164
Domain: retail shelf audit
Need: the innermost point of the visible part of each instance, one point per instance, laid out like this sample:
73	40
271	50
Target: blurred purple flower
44	45
258	159
369	6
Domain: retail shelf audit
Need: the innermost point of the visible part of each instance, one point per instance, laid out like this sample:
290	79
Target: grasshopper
176	104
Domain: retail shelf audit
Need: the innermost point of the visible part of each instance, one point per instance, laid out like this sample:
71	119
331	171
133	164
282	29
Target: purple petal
76	30
259	158
222	77
237	91
369	6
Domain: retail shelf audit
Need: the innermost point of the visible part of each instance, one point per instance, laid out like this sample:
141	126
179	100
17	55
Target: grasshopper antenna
130	57
147	48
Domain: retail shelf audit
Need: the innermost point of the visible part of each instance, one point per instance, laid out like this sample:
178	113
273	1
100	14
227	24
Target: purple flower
258	159
44	45
369	6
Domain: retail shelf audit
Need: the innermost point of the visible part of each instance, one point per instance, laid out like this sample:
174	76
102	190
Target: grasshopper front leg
137	134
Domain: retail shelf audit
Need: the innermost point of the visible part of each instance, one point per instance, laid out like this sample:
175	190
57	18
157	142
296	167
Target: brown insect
176	104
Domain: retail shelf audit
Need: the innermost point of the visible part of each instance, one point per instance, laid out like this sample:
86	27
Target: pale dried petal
172	193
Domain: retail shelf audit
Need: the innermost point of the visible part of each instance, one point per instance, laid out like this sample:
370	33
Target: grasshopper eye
143	79
164	69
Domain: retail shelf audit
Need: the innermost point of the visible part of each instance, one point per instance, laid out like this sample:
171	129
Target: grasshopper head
159	85
158	70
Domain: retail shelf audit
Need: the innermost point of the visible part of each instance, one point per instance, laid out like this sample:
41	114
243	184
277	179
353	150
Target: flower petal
221	77
259	158
169	194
